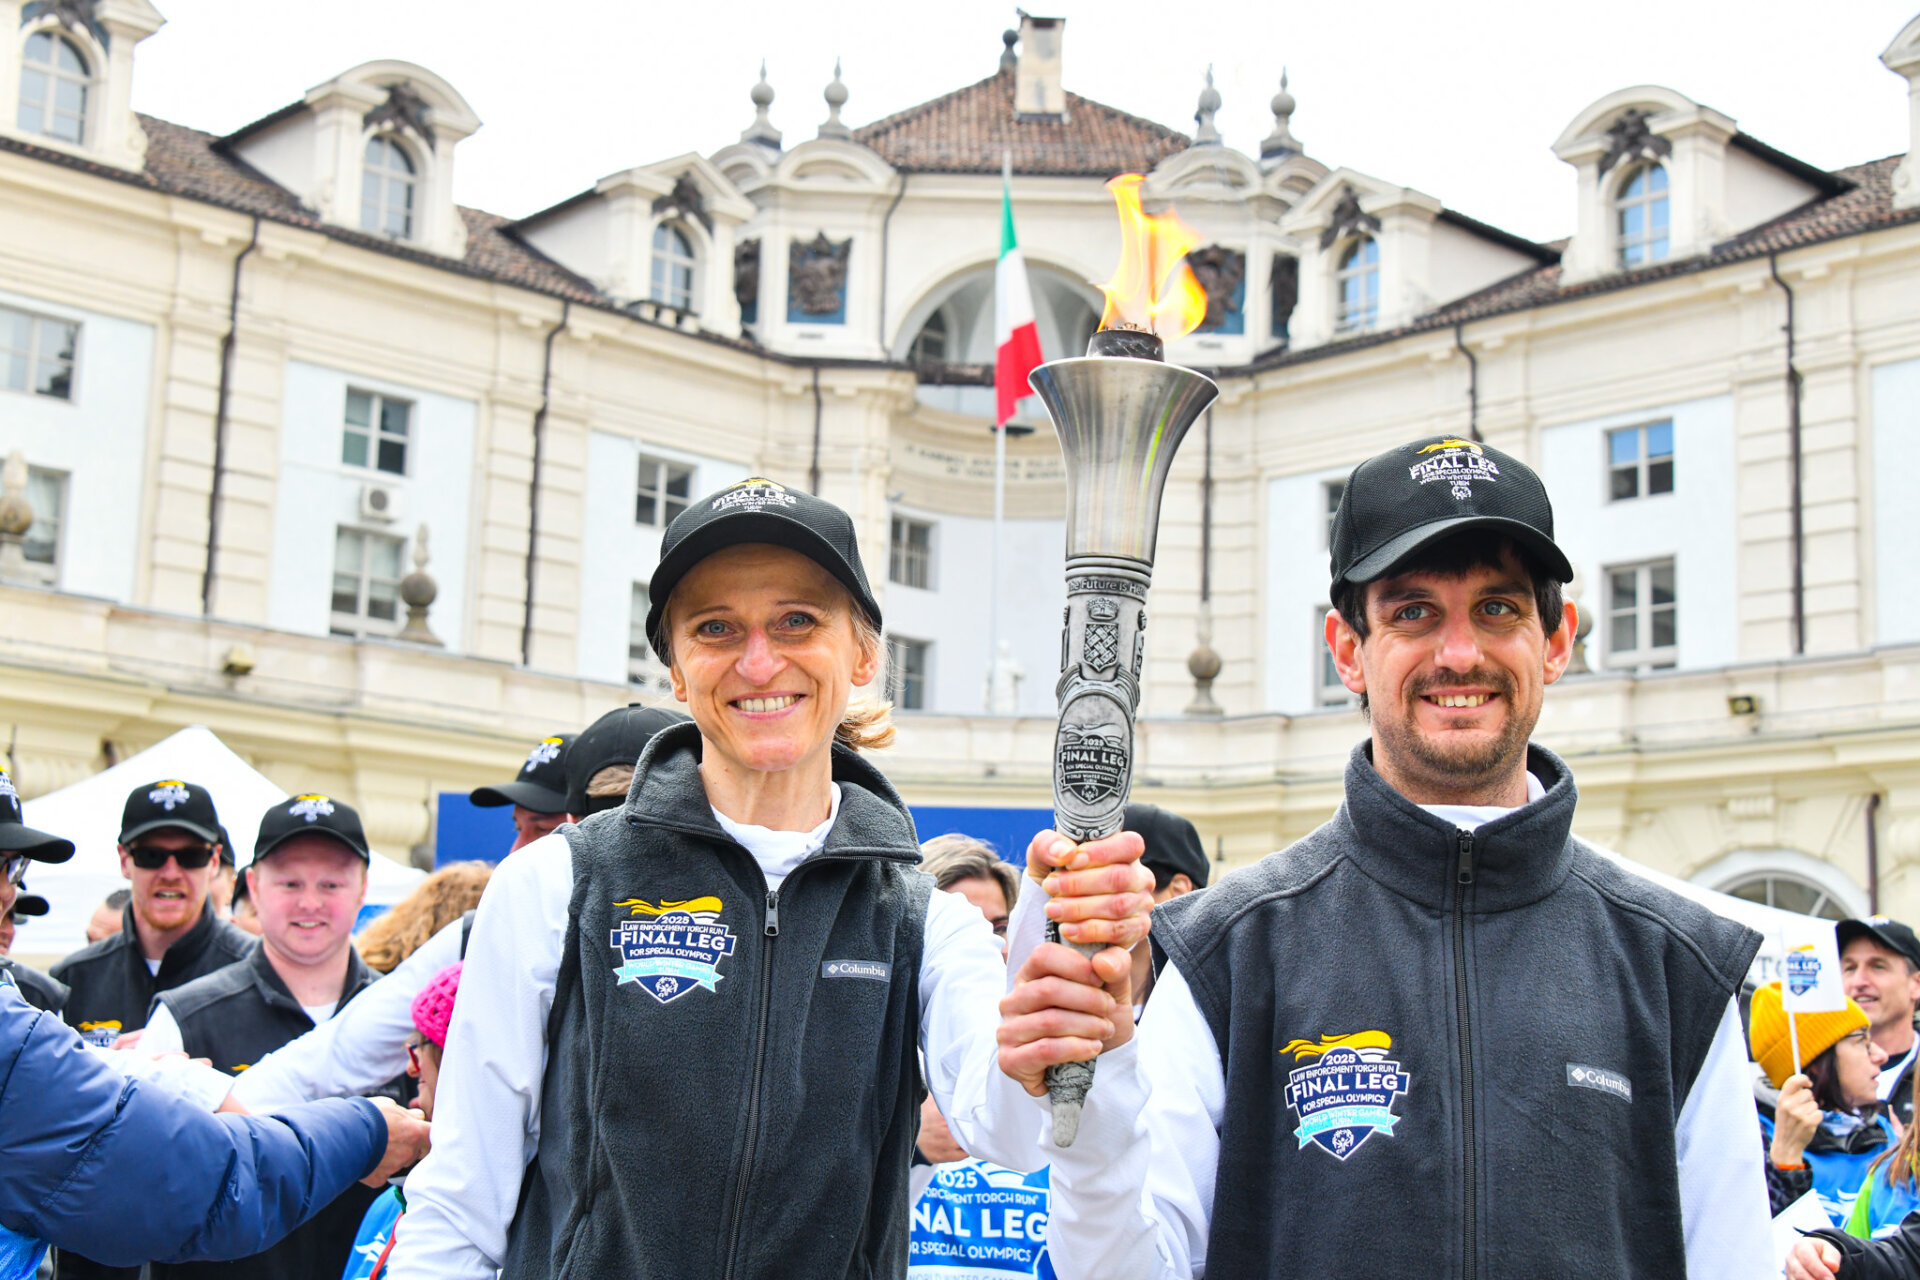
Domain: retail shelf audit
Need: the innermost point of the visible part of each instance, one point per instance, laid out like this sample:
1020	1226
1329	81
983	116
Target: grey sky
1459	100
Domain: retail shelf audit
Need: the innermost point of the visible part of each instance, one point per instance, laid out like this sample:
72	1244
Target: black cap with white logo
170	803
542	784
758	510
617	737
1397	502
310	814
17	837
1891	934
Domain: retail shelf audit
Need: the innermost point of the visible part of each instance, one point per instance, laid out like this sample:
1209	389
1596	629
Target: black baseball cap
617	737
228	858
17	837
542	784
30	904
170	803
1397	502
1173	846
1891	934
299	815
757	510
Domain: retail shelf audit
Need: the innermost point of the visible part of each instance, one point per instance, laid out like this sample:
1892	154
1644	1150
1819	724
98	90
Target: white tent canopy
88	813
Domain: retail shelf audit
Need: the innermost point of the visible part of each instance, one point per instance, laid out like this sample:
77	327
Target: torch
1120	413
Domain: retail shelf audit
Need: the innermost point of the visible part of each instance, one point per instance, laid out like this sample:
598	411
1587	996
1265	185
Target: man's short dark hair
1452	557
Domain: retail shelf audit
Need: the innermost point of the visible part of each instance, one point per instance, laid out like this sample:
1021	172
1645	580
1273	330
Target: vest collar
1517	859
267	981
185	950
667	792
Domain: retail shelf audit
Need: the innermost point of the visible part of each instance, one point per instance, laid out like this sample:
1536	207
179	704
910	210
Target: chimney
1903	59
1037	94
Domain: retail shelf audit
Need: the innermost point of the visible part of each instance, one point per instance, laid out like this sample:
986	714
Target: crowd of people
717	1010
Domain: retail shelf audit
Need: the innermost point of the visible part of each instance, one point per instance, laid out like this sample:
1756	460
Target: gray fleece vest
731	1089
1452	1054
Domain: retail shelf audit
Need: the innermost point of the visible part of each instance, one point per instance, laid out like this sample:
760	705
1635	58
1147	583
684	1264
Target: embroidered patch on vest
878	970
100	1034
1344	1089
1585	1077
670	948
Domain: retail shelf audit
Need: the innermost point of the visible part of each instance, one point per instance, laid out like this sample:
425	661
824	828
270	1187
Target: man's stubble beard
1460	763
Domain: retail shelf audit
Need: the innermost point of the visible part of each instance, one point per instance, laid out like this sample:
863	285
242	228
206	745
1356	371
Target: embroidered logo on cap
672	947
546	751
1344	1089
169	795
1581	1076
312	808
755	494
1457	463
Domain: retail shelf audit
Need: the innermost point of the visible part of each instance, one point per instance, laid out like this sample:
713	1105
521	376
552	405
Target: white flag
1812	981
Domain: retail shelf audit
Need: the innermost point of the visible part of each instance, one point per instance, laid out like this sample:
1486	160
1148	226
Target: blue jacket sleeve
128	1173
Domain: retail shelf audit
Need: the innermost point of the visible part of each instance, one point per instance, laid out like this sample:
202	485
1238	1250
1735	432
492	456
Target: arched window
1790	893
1356	286
930	345
387	186
1642	215
53	88
672	267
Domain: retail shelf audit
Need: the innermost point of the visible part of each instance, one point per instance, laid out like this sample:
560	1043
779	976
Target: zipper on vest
744	1178
773	913
1470	1179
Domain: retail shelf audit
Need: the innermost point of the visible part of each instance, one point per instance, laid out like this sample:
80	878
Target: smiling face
1857	1061
1881	982
169	899
308	893
765	655
1454	667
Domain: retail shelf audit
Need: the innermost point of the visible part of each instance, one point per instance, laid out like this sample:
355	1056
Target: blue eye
797	620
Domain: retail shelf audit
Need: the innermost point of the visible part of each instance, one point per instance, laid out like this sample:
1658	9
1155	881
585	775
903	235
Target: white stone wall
1895	397
98	438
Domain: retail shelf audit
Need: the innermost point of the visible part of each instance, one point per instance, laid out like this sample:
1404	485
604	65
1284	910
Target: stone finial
16	517
1203	664
1009	60
1206	135
1281	142
836	96
1578	665
762	130
419	590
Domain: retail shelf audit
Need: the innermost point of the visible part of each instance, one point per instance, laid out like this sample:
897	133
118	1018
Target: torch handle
1102	649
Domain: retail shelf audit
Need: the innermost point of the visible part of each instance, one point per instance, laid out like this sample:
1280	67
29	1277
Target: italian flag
1015	339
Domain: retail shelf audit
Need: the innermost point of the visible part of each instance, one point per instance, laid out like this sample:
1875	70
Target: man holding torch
1438	1036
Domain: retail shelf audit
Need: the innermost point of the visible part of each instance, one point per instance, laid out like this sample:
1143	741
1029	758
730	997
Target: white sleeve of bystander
486	1119
1723	1188
356	1052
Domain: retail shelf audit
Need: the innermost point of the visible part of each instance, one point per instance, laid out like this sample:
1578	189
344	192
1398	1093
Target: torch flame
1152	286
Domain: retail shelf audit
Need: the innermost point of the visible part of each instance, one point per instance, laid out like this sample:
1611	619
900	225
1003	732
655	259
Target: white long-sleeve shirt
1133	1197
486	1124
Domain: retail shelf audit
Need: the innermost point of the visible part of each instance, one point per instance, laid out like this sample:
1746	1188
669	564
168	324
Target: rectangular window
1332	489
665	490
907	673
47	491
37	354
376	432
1642	616
366	582
644	669
910	553
1640	461
1329	691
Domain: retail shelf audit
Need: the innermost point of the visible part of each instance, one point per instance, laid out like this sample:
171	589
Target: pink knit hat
433	1007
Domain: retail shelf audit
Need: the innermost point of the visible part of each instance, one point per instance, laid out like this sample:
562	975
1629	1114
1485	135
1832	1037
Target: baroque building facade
255	379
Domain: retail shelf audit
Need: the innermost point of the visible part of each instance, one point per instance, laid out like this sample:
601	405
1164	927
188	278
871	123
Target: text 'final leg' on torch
1120	413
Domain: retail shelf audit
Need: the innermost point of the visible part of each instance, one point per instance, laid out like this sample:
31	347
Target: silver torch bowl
1120	413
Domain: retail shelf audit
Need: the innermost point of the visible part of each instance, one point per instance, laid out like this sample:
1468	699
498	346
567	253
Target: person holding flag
1816	1048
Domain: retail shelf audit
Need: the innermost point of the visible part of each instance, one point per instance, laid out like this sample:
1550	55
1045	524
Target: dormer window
53	88
673	264
1641	211
387	187
1356	286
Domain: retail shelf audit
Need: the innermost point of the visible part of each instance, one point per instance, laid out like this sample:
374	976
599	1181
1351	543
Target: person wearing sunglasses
169	933
20	847
1823	1129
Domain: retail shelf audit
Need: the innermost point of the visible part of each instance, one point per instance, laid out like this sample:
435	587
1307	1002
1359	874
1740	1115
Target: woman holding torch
687	1039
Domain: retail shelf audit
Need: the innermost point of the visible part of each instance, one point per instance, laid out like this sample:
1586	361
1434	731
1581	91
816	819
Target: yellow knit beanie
1819	1032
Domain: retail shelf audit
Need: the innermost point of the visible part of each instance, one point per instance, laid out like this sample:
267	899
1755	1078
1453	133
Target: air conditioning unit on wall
383	502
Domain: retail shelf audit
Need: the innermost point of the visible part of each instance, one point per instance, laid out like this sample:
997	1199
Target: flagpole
999	498
1793	1019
